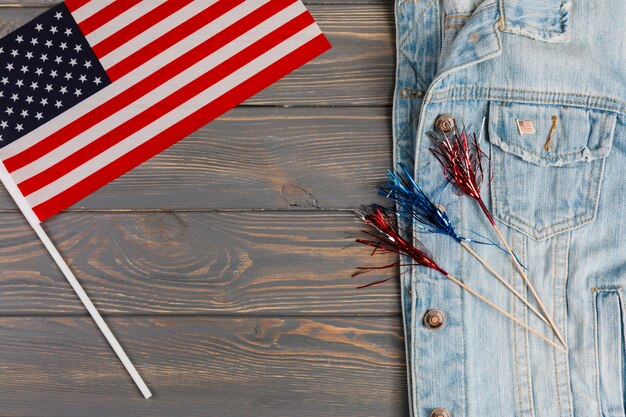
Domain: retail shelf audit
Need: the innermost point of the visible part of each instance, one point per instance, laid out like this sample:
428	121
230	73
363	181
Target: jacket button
445	124
440	412
434	319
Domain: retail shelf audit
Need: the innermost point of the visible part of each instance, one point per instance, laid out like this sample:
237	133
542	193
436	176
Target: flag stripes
159	101
181	65
171	135
106	14
122	99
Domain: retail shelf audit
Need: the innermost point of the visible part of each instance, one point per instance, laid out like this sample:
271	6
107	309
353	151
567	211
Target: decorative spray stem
409	196
461	160
388	239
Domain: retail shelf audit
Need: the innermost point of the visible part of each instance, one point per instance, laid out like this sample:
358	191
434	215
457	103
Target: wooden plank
204	367
359	70
194	263
290	158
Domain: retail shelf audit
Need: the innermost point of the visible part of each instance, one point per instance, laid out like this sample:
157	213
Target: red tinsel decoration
386	238
461	160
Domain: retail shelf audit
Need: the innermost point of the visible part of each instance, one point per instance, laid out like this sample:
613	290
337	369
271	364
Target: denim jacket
557	193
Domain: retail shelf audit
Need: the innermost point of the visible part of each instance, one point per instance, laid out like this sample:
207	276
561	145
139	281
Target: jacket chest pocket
547	165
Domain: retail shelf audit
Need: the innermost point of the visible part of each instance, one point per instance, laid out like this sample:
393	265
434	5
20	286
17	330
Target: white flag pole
34	222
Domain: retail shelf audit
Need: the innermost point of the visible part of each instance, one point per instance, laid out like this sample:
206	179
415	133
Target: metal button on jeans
434	319
440	412
445	124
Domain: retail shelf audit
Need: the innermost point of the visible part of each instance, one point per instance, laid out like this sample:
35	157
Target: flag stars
15	97
39	71
54	74
58	16
19	83
68	76
34	41
82	78
5	80
14	53
1	50
53	29
9	111
24	69
29	99
97	81
63	90
63	46
4	124
19	127
44	57
58	104
39	27
87	64
44	102
78	48
73	62
78	92
34	85
19	39
29	55
39	116
9	66
24	113
48	87
49	43
58	60
68	32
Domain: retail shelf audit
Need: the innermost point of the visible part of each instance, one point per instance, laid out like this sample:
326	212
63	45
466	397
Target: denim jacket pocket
544	20
547	163
609	350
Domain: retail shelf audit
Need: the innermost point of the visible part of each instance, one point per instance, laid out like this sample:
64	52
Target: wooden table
223	265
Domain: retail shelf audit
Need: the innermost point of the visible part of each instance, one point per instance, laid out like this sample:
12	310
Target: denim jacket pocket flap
545	20
551	135
547	164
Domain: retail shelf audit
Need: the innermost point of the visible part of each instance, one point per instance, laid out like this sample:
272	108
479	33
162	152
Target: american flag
92	88
525	126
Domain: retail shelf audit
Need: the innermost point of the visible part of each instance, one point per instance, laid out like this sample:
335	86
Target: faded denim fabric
562	207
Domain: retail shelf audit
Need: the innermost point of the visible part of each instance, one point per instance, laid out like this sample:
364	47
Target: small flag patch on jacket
91	89
525	126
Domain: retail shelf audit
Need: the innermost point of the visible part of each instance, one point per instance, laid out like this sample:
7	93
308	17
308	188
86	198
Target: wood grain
194	263
357	71
261	158
223	264
239	367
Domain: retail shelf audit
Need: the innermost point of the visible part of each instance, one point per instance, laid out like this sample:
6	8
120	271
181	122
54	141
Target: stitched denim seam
441	96
608	289
595	348
457	16
522	90
464	345
555	248
518	378
516	351
605	123
415	19
580	219
584	216
540	101
500	202
565	369
529	381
